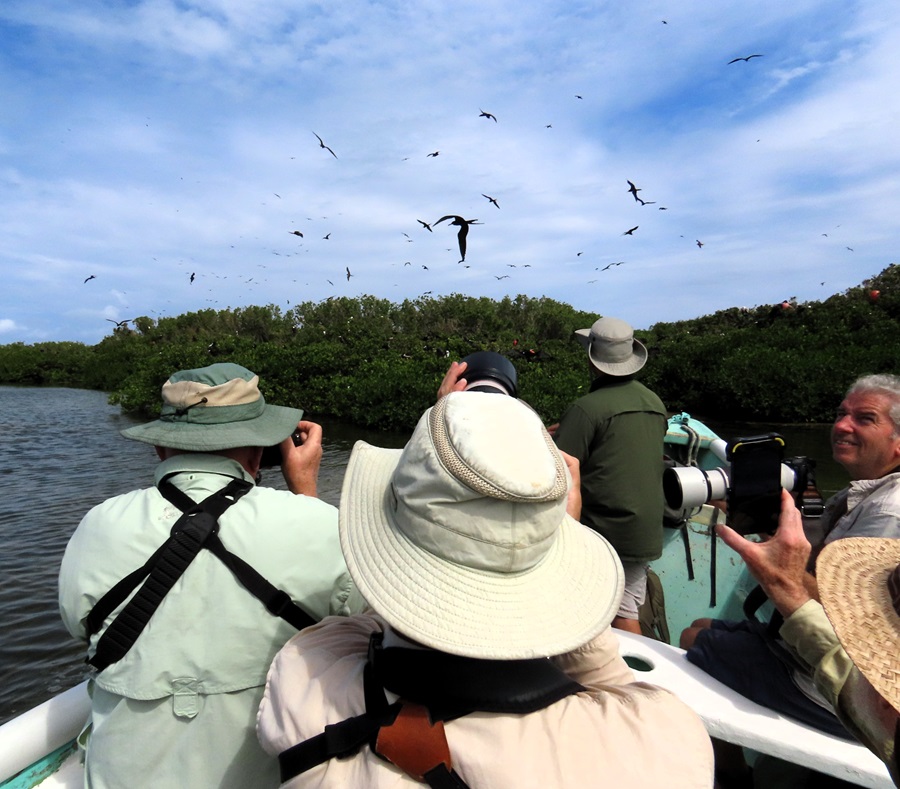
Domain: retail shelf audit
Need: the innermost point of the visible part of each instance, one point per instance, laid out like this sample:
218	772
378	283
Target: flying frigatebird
463	225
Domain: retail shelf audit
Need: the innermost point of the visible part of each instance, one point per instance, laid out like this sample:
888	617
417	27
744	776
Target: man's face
862	438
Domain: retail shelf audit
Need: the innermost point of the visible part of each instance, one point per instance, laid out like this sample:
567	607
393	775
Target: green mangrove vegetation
378	364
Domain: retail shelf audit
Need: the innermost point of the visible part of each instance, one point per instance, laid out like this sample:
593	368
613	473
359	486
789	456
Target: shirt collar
861	488
200	462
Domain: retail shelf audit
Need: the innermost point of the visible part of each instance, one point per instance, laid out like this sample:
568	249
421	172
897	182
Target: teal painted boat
701	577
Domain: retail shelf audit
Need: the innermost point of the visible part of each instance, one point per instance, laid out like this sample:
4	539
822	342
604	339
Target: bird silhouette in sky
645	202
630	232
295	233
577	96
330	282
193	275
326	237
463	225
323	145
487	115
699	243
633	189
746	59
348	273
492	199
436	153
505	276
93	276
121	324
425	225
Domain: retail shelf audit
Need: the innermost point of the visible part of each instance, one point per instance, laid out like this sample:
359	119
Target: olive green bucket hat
213	408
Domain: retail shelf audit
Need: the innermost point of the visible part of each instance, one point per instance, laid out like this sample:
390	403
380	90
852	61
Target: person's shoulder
292	501
663	710
114	506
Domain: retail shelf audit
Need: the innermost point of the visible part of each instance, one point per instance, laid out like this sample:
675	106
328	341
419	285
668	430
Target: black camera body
271	456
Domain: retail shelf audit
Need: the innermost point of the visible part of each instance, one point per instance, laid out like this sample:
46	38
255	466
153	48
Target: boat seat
729	716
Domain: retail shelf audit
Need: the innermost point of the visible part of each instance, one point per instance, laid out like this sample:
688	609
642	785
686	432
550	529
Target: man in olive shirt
617	432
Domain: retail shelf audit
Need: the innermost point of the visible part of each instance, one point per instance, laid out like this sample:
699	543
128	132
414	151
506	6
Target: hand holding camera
301	456
778	563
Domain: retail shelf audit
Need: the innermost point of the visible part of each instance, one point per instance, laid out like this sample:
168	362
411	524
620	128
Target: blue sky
145	141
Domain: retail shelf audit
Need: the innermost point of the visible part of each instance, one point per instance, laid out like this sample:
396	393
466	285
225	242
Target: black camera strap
197	528
160	573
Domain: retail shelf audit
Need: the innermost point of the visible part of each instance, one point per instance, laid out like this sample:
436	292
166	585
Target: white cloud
149	141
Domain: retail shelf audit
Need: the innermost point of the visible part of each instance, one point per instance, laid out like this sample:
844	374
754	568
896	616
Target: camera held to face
271	456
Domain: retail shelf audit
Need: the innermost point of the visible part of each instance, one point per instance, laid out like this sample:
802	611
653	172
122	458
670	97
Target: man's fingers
733	540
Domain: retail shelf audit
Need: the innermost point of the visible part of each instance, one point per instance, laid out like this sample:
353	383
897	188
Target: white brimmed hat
859	584
213	408
461	540
612	348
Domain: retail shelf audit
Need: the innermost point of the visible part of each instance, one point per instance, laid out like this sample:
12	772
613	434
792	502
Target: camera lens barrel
489	370
687	487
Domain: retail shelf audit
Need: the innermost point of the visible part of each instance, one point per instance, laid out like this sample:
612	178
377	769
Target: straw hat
612	348
213	408
859	584
462	542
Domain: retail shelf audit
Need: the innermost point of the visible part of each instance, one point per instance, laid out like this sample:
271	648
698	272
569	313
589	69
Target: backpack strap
162	570
419	747
277	602
436	687
197	528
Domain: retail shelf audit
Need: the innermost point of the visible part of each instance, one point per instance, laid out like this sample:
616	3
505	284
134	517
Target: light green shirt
181	704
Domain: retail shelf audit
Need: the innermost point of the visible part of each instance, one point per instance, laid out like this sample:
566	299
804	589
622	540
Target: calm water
62	453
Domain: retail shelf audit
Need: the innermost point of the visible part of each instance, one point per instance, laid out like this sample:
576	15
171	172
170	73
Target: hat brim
565	600
852	575
271	427
630	366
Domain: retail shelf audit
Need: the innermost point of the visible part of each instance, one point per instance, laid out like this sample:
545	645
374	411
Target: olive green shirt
617	433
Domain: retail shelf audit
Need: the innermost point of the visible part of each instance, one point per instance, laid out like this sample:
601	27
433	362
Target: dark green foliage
378	364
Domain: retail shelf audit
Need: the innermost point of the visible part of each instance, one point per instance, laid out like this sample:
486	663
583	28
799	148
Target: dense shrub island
376	363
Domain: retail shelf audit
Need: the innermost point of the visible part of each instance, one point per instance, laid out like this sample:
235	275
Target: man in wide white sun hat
487	659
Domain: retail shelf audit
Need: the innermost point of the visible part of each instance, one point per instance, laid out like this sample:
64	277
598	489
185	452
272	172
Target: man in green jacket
616	432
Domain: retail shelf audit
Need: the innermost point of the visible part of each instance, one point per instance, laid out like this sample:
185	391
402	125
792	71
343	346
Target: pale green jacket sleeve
809	632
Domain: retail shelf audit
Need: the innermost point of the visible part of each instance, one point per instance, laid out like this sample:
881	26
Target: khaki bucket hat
213	408
612	348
